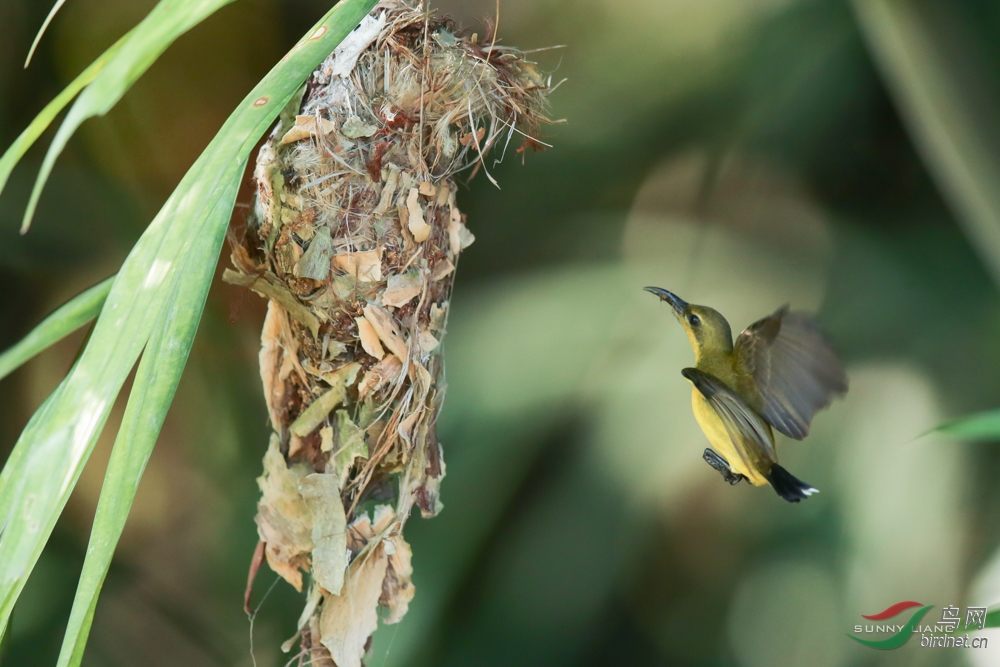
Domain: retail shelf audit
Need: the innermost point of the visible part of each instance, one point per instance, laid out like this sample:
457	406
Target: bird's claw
719	463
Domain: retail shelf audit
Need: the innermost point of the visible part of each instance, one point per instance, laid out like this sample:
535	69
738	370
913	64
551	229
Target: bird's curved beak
675	301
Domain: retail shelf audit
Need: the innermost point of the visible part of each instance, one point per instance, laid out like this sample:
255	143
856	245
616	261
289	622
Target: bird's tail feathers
788	486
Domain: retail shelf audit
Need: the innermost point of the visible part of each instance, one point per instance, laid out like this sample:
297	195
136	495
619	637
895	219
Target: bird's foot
719	463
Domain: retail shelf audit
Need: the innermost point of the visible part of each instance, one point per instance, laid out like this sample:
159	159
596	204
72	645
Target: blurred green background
744	154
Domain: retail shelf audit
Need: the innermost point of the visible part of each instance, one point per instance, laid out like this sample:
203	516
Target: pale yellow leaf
386	330
420	229
369	339
402	287
306	126
349	619
366	266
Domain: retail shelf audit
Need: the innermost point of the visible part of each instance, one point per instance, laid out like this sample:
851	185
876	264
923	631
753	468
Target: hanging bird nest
355	240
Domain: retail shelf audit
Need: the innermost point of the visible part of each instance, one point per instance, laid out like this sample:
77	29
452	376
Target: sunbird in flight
779	373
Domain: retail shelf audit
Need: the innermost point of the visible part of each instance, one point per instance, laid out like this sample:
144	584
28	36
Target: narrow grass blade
41	31
65	320
981	426
27	138
143	45
155	383
939	93
58	446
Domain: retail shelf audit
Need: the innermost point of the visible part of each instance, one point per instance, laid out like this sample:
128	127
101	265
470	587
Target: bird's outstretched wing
743	424
795	370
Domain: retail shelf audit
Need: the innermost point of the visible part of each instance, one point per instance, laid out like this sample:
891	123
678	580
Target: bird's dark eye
694	320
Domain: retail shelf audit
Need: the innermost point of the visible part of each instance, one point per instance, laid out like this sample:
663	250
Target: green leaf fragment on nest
354	128
350	443
315	262
319	409
321	494
276	293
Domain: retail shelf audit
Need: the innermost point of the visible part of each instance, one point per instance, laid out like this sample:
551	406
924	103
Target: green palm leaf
155	383
68	318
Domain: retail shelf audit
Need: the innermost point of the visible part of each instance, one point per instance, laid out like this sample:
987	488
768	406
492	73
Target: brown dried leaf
441	270
427	189
271	361
468	138
306	126
397	587
382	373
369	339
386	330
421	230
350	618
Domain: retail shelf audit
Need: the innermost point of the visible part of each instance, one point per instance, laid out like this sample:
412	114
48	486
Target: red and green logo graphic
945	633
903	633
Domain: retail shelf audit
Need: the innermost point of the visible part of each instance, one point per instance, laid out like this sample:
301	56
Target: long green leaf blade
981	426
65	320
30	135
142	46
156	381
41	31
60	444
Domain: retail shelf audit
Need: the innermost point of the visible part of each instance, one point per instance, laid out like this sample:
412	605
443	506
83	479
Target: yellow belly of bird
718	438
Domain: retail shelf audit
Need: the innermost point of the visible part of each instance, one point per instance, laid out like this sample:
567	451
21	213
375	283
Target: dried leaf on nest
321	494
379	375
427	342
441	270
416	223
382	322
402	287
459	235
354	128
369	339
271	359
364	266
284	521
326	439
282	295
320	409
315	262
305	127
350	618
397	587
350	444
